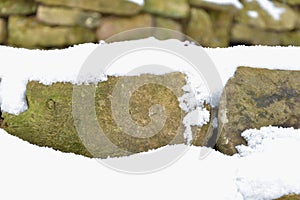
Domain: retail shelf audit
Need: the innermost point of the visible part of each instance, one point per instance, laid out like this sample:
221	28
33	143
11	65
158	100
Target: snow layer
252	13
267	169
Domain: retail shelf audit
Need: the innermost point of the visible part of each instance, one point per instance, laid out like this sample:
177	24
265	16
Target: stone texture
290	197
290	2
170	24
117	7
254	98
288	19
113	25
3	31
214	6
17	7
168	8
68	16
29	33
243	34
50	120
210	28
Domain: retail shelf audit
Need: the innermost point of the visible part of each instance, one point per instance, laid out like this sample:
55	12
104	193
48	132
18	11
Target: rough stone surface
288	19
214	6
254	98
210	28
117	7
29	33
50	120
113	25
17	7
3	31
170	24
242	34
290	197
168	8
68	17
290	2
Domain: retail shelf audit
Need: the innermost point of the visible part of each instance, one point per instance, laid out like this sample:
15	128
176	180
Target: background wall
59	23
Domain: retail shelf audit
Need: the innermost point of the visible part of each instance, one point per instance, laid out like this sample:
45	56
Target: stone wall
60	23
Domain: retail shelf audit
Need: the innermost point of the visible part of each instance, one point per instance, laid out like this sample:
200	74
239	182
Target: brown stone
255	98
117	7
168	8
68	16
29	33
3	31
17	7
114	25
210	28
214	6
174	29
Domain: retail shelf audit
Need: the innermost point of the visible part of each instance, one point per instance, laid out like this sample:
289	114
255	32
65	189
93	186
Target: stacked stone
61	23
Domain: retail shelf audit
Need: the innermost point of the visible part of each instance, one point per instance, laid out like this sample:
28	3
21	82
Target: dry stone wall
60	23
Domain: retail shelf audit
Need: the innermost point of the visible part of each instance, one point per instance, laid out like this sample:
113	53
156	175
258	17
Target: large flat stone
113	25
254	98
28	32
210	28
117	7
17	7
3	31
68	16
57	118
168	8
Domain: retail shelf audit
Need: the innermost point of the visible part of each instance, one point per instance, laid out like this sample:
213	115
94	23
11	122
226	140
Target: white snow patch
270	7
235	3
252	13
139	2
267	169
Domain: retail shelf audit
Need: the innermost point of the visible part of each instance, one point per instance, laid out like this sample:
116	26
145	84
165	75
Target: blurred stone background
48	24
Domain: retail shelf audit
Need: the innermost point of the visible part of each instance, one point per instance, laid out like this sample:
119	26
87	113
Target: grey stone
254	98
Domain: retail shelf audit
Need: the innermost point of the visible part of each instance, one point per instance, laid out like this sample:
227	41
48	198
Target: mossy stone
17	7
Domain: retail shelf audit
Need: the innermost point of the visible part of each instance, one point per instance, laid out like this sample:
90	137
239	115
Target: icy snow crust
266	169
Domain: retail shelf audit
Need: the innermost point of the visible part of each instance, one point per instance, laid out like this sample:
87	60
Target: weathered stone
17	7
214	6
117	7
50	120
254	98
242	34
68	16
29	33
170	24
168	8
290	2
3	31
113	25
210	28
290	197
287	20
